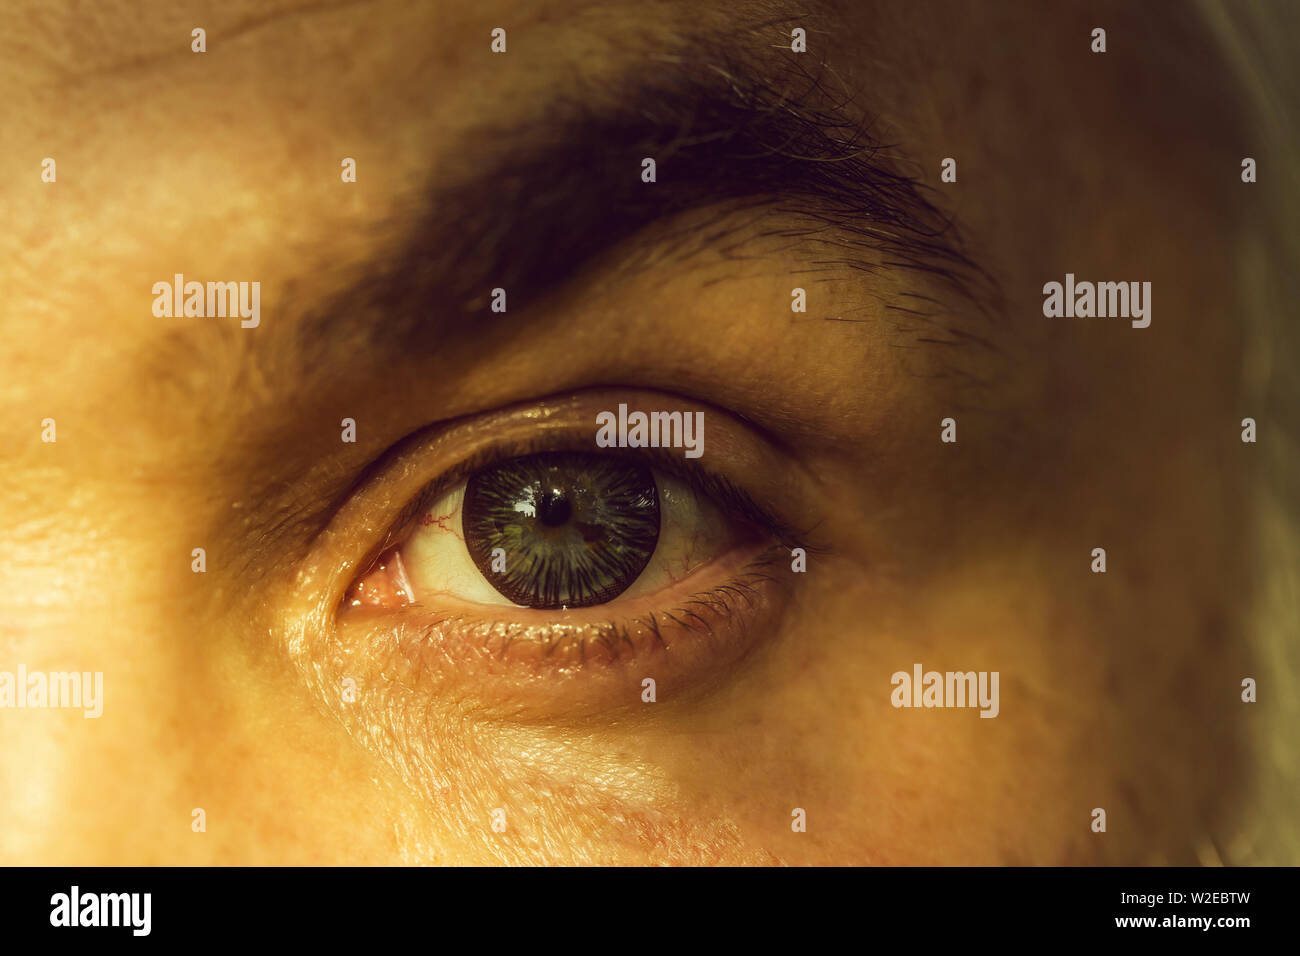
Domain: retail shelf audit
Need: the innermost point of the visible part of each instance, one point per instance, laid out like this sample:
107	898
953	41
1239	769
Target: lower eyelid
529	664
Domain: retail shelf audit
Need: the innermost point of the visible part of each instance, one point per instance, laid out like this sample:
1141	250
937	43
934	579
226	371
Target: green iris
577	529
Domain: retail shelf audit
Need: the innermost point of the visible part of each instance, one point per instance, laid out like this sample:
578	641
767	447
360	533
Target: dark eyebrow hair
525	208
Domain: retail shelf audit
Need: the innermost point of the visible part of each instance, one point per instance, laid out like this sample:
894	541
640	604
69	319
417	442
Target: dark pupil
554	508
577	529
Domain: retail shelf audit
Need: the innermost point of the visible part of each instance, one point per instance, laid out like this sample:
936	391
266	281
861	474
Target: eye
507	565
555	530
559	531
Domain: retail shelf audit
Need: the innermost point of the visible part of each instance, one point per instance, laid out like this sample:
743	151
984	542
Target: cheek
604	804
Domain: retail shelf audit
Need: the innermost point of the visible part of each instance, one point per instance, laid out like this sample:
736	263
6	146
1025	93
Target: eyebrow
538	202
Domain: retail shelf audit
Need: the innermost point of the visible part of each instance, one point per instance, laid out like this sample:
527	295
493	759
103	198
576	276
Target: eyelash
614	635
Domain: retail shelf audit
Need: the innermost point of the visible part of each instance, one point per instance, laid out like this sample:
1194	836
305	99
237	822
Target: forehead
435	56
157	144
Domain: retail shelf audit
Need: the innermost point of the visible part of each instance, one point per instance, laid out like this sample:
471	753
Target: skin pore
1118	690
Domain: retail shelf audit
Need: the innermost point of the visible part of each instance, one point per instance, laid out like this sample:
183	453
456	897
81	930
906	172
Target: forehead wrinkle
79	38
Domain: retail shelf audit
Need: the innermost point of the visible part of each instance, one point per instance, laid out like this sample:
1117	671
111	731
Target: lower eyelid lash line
721	601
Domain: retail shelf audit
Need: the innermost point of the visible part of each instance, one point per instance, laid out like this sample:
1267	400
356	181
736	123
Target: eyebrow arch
539	201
